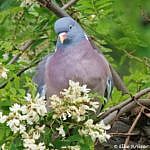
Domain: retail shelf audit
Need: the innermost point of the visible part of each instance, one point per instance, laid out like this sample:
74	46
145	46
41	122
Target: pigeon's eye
70	26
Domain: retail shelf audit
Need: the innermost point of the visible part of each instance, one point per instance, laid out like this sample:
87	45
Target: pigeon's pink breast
78	63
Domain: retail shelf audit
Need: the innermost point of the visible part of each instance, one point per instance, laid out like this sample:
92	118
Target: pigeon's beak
62	37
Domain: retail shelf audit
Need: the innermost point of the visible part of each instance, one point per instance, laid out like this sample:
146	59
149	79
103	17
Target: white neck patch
86	36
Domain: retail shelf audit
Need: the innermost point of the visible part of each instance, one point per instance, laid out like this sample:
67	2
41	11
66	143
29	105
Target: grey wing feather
40	75
109	84
116	79
109	88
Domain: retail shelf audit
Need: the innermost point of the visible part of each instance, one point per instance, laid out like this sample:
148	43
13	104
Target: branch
53	7
22	49
132	128
19	73
70	3
137	58
124	134
123	107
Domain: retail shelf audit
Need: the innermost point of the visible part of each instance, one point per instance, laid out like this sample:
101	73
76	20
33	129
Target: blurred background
120	28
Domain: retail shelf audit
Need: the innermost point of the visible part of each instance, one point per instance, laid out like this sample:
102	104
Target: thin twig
53	7
63	2
22	49
136	58
70	3
112	116
140	104
123	107
124	134
19	73
132	128
124	103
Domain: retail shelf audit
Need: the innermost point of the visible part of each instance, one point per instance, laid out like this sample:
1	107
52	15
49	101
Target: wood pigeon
75	59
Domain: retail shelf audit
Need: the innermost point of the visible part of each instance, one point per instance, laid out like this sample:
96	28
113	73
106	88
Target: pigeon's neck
73	42
81	47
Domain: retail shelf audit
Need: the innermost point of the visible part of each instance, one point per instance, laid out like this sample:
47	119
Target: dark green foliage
121	29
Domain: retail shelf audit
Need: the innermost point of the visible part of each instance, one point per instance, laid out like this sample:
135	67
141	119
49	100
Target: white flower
38	104
28	97
82	109
95	130
89	122
95	105
14	125
64	116
69	114
22	128
73	84
22	117
25	135
32	116
3	71
30	144
3	118
74	103
5	56
36	135
30	139
93	16
102	125
13	122
15	108
24	109
103	137
3	147
84	89
61	131
40	129
41	146
94	135
76	147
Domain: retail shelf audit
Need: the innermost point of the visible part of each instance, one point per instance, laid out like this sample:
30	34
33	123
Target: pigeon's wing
109	88
116	79
109	79
40	75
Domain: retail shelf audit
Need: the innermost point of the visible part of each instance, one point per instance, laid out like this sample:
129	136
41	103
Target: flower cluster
30	121
73	102
95	131
21	117
76	147
3	72
29	139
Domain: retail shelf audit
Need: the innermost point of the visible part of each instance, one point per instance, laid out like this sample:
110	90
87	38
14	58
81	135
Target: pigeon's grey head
69	32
